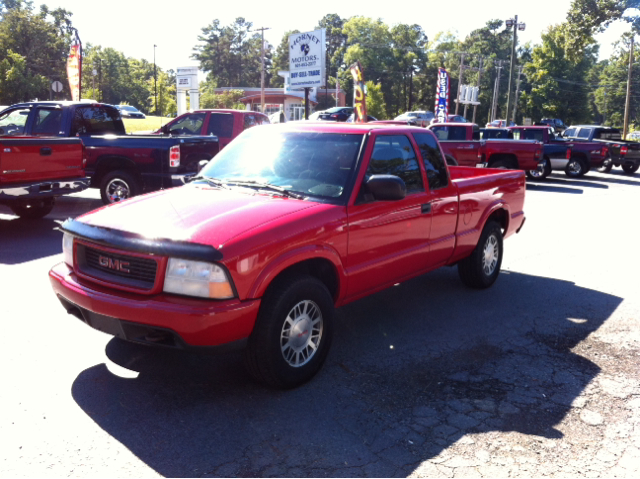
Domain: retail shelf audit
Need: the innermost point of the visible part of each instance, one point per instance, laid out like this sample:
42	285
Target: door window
394	155
97	120
445	133
249	121
188	125
570	132
220	125
433	161
47	122
14	121
584	133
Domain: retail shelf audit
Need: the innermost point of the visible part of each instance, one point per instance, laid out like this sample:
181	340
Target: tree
281	60
375	101
335	43
226	99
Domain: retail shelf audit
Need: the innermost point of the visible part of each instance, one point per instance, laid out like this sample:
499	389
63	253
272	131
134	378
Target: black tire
630	169
35	209
576	168
117	186
473	270
606	166
541	175
267	346
501	164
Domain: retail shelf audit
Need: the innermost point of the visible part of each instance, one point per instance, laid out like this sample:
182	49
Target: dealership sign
307	59
442	96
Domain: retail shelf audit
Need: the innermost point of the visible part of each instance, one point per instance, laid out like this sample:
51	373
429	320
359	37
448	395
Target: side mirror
386	187
202	164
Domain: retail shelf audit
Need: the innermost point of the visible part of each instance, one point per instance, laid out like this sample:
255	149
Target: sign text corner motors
307	59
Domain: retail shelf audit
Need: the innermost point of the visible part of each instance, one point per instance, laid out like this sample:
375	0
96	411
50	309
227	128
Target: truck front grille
117	268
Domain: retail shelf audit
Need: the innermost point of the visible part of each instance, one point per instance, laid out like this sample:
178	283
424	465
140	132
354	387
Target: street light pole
155	81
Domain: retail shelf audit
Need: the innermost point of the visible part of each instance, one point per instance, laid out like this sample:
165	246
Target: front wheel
543	170
118	186
292	335
481	269
35	209
575	168
630	169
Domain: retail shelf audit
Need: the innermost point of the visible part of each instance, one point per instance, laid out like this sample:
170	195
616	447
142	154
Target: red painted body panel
368	246
470	152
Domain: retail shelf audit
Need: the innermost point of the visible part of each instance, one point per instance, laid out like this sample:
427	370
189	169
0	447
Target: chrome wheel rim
575	167
490	255
301	333
118	190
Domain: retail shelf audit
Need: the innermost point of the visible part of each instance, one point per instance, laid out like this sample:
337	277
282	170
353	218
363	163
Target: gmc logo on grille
116	264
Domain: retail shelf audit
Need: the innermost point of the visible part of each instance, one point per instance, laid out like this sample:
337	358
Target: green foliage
231	55
17	84
226	99
375	101
281	60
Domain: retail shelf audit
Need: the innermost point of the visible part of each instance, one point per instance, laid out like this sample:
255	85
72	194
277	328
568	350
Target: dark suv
339	113
556	123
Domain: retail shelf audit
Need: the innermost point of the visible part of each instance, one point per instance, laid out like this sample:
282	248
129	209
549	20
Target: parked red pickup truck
462	145
224	124
286	223
575	158
34	171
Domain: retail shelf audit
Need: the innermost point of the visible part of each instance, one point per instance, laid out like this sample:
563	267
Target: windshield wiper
211	181
265	186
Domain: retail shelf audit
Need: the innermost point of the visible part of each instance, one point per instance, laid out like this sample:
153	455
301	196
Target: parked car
556	123
417	118
120	165
128	111
339	113
351	118
621	153
574	158
462	146
262	247
499	124
451	118
222	123
35	171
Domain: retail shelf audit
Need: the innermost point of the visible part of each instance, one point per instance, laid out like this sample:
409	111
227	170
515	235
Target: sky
134	26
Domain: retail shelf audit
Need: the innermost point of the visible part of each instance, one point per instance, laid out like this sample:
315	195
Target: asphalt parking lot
537	376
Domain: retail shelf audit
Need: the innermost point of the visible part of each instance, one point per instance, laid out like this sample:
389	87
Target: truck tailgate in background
24	160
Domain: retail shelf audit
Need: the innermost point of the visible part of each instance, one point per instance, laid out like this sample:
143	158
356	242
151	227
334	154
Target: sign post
187	80
307	62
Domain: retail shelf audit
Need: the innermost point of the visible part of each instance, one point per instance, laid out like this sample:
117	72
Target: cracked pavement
537	376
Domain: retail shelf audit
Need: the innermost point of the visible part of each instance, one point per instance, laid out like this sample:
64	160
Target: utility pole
462	55
262	29
626	105
515	103
512	22
496	91
475	107
604	113
155	81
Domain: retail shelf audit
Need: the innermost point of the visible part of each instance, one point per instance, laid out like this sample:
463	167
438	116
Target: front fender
293	257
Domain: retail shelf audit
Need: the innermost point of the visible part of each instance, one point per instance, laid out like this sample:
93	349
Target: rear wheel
606	166
292	335
630	169
118	186
575	168
544	170
35	209
481	269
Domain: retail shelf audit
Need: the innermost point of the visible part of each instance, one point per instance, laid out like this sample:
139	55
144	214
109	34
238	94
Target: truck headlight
67	249
197	278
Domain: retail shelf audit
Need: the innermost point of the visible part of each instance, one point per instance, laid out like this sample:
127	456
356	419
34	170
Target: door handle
45	151
426	208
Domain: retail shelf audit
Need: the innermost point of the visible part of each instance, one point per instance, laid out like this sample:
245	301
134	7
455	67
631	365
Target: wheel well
510	160
319	268
108	165
580	156
501	217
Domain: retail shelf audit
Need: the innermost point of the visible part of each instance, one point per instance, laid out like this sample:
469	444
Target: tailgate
24	160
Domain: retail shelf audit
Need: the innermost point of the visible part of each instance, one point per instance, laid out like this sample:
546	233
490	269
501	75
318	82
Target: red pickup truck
462	145
284	225
34	171
224	124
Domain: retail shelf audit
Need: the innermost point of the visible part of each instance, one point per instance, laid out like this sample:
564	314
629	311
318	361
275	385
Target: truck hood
195	213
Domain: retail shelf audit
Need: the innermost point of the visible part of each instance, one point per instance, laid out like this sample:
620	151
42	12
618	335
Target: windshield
308	163
128	108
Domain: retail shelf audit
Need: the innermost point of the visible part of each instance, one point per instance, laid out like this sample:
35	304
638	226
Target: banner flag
442	96
359	94
74	69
